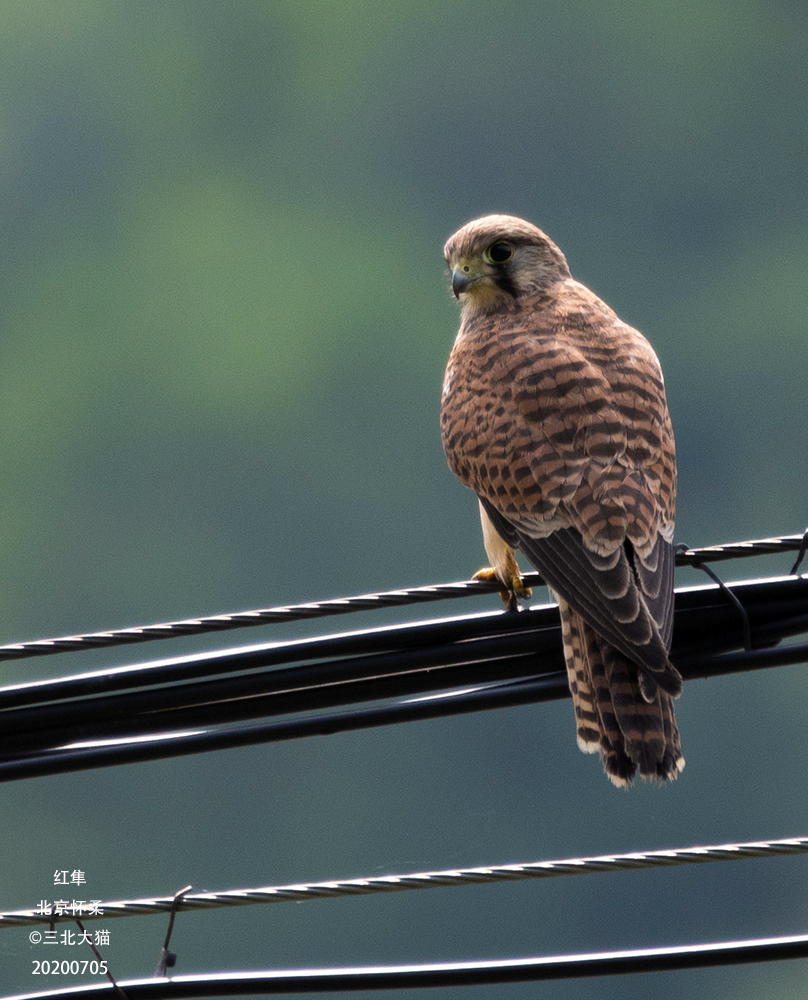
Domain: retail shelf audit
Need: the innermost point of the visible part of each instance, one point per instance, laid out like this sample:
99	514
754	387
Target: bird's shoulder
566	320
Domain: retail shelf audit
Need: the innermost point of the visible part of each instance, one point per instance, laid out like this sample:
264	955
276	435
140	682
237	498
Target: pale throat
484	297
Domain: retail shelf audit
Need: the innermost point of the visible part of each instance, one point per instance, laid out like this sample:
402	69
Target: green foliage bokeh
224	323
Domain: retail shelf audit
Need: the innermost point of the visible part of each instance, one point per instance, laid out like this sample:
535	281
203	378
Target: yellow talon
515	587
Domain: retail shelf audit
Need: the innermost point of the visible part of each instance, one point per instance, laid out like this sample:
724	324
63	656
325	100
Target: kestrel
554	413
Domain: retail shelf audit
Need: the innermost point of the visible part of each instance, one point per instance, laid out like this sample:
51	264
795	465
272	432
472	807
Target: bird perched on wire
554	413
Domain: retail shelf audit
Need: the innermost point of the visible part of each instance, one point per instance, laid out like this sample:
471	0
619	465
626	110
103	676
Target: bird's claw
515	587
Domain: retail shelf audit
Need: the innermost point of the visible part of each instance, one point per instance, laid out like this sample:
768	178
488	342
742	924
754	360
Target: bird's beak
462	281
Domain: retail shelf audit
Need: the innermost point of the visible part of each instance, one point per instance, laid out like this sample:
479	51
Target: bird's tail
612	716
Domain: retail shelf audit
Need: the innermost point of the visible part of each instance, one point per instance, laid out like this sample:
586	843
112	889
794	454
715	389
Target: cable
396	977
741	550
362	602
177	744
477	662
376	884
770	611
704	623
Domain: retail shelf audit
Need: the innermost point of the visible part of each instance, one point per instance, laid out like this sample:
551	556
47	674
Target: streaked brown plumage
554	413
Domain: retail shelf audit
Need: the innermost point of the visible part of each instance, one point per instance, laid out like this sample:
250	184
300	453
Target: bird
554	413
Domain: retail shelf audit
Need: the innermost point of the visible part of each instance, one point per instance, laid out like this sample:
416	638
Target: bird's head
496	259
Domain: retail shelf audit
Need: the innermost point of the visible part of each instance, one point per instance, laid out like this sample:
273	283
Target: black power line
467	663
484	973
194	704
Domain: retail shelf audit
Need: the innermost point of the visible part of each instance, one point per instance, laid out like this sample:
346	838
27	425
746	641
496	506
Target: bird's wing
632	609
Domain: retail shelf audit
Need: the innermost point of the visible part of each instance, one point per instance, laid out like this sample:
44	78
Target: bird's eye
498	253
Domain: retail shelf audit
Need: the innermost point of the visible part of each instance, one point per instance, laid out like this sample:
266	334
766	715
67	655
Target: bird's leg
504	567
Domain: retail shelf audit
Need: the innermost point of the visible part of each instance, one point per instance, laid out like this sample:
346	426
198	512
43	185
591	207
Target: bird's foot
515	588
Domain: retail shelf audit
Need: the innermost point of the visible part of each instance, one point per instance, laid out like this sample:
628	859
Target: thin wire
101	961
167	958
747	631
347	605
424	880
801	553
396	977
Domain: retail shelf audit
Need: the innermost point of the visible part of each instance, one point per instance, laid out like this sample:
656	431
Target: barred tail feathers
612	715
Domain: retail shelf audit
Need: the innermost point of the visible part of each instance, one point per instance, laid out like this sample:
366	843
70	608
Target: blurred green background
224	325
